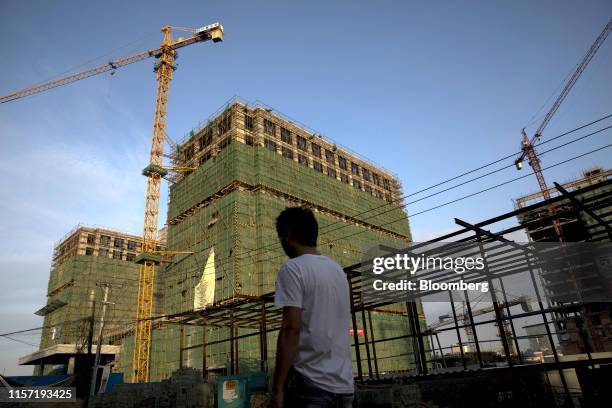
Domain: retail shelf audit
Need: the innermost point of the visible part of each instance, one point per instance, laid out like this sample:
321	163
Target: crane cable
139	42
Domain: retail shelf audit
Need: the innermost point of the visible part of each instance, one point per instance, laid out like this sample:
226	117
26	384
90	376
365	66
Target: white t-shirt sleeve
289	287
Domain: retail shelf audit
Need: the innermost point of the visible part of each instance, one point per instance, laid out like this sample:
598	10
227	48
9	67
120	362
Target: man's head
297	230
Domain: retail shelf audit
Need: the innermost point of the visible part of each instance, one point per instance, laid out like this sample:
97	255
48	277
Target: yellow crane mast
155	171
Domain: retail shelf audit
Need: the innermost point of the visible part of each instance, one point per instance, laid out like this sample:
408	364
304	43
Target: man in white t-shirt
313	356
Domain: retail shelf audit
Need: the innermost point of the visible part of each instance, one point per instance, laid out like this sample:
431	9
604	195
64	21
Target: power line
508	181
473	194
422	190
344	225
490	173
512	165
276	245
23	331
409	216
20	341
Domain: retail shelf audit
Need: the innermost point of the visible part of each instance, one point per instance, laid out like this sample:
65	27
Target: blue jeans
300	392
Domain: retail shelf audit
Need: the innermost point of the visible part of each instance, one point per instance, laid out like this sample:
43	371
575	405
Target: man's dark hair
302	224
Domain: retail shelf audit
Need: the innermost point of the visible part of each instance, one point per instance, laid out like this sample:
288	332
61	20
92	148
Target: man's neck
303	250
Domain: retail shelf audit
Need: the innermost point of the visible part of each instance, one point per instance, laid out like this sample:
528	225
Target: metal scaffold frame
499	266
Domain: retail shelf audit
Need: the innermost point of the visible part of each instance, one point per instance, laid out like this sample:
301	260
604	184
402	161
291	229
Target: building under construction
247	163
84	259
575	223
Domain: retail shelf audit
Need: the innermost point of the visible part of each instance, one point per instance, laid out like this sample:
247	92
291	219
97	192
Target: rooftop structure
259	125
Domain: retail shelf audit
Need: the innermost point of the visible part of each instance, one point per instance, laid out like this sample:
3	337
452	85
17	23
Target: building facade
245	165
83	260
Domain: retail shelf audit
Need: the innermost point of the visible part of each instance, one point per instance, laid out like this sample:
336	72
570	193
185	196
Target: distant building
456	349
575	225
84	258
538	338
589	330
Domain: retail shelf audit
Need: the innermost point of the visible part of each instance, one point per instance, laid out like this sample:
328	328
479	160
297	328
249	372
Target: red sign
359	332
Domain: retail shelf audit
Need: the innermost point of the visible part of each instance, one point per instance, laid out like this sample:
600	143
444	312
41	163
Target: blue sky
426	89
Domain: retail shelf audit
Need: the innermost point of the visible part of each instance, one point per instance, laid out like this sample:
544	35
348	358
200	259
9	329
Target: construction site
184	314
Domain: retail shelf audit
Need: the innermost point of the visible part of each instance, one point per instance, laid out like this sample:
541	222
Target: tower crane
151	255
527	145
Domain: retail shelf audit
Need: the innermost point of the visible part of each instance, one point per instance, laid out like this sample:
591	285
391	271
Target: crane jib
212	32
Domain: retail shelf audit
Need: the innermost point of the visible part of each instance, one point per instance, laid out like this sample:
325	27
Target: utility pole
105	287
92	296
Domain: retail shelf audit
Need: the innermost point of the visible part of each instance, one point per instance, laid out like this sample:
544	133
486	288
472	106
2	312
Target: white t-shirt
318	286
